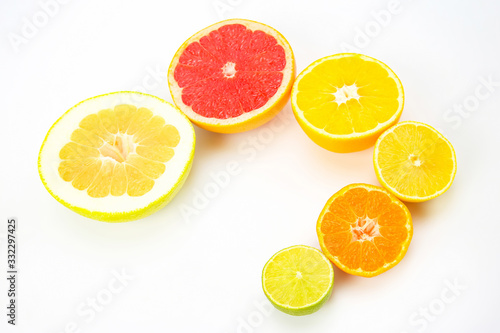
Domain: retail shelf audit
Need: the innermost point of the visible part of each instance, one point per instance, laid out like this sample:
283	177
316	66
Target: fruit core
121	148
365	229
229	70
345	93
415	160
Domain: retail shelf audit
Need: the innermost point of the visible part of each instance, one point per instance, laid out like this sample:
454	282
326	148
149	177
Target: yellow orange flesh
345	101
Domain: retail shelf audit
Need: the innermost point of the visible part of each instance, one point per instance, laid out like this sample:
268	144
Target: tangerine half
364	230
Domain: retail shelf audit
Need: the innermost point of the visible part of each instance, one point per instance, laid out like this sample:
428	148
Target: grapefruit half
232	76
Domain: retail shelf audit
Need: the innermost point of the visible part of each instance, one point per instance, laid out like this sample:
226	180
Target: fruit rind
311	308
359	271
351	142
125	216
392	190
249	120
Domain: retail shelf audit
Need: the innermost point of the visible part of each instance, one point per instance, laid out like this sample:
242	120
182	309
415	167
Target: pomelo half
117	157
232	76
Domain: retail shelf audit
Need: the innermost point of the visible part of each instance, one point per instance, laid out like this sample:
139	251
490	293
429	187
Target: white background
201	272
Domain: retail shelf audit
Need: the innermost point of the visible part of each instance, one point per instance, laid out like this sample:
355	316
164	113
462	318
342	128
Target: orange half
364	230
345	101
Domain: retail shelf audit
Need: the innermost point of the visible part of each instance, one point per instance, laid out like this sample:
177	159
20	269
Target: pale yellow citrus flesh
118	151
345	101
298	280
414	161
117	157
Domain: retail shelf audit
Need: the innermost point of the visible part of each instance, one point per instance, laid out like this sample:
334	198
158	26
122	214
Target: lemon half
414	161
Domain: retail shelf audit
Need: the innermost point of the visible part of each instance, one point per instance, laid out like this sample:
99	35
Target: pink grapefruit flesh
228	74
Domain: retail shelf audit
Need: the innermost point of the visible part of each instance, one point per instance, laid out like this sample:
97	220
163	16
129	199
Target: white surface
202	274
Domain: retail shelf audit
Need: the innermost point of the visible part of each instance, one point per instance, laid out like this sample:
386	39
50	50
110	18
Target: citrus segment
99	137
364	230
232	76
414	161
345	101
117	157
298	280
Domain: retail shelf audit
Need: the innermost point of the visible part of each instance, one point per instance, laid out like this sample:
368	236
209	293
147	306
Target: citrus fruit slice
345	101
117	157
364	230
414	161
298	280
232	76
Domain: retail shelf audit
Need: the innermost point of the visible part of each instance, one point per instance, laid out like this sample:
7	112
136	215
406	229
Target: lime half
298	280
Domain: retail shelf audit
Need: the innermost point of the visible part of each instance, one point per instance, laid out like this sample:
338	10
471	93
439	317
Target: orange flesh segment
117	152
364	229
